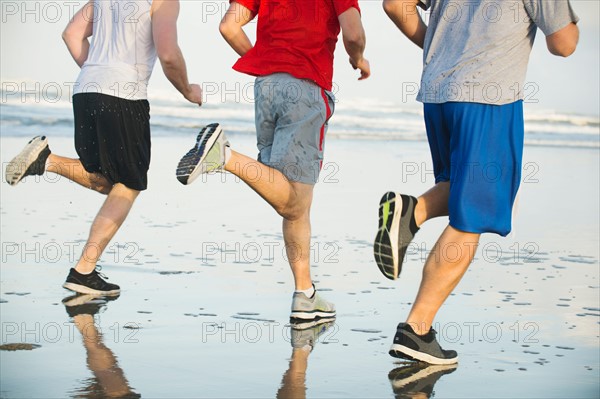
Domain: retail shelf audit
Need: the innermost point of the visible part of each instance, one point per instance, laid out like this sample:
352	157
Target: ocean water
368	119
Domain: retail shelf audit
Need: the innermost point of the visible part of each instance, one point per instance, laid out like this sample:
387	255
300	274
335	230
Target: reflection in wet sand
416	380
293	383
304	337
109	379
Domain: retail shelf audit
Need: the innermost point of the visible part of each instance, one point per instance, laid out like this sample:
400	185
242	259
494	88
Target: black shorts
112	137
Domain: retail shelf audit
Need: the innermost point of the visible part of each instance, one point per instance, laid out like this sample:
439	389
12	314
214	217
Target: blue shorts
478	148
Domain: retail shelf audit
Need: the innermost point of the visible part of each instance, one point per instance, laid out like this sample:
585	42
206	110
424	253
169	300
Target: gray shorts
291	122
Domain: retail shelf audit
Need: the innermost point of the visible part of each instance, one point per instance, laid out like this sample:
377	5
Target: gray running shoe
425	348
397	228
306	335
417	379
305	308
206	156
30	161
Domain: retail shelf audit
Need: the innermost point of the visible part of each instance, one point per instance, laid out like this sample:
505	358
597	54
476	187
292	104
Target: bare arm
77	32
563	42
406	17
164	32
231	27
353	35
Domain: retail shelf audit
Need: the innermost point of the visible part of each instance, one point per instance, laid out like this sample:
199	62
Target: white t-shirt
122	53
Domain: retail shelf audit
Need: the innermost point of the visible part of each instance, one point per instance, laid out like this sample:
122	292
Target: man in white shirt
111	112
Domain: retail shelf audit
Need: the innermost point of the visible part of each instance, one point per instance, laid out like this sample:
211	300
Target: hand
194	94
362	65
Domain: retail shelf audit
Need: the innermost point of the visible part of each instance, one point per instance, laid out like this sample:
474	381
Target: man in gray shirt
474	64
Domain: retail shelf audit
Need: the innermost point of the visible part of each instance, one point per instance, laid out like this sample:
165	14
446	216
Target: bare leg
73	170
445	266
433	203
293	383
291	200
296	235
100	359
115	209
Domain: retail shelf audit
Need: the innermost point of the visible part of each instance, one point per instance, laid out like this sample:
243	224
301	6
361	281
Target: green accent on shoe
397	228
385	246
386	212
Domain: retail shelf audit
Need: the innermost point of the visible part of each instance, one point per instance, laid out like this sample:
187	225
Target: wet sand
207	289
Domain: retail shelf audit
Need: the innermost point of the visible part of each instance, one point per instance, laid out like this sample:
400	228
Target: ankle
227	157
84	269
421	328
50	164
230	156
420	212
309	292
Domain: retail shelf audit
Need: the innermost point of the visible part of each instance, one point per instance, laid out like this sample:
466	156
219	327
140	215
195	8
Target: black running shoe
86	303
397	228
206	156
30	161
417	379
92	283
425	348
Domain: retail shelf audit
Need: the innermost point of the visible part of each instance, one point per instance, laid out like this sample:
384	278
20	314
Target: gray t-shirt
477	51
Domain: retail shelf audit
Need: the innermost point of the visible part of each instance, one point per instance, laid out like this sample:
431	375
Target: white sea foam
363	119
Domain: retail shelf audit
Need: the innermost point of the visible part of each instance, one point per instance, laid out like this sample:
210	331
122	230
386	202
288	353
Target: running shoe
315	307
397	228
206	156
417	379
305	335
425	348
92	283
30	161
86	303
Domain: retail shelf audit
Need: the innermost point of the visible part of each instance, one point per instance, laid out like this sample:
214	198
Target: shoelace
97	270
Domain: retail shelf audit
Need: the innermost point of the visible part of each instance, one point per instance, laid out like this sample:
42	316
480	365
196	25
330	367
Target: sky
32	49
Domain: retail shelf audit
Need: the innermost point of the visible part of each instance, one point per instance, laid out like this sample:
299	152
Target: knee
293	212
101	188
298	204
99	183
122	190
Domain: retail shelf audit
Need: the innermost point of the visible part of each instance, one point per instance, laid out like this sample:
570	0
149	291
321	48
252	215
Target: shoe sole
189	168
297	317
403	352
16	168
79	299
385	247
82	289
305	325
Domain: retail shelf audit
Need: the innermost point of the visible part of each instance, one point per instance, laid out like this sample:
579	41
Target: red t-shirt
296	37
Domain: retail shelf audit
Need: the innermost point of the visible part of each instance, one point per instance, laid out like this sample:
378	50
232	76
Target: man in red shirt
293	62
